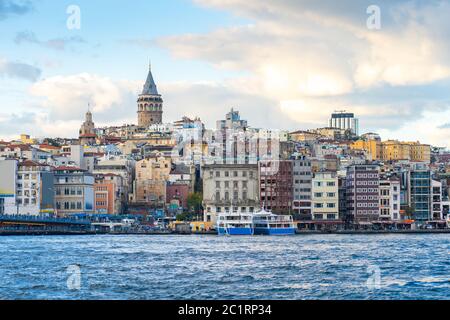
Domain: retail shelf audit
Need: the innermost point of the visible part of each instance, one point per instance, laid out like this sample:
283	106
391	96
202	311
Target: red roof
47	146
29	163
67	168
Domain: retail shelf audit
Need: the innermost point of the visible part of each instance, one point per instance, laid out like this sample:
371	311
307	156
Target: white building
35	191
436	200
390	199
230	188
345	120
325	196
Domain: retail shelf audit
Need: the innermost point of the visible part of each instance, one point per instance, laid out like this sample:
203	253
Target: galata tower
150	104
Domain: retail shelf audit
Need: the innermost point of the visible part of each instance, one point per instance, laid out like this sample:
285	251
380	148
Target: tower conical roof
150	86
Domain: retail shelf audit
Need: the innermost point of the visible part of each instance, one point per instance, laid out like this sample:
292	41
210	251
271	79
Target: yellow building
372	147
301	136
393	150
26	139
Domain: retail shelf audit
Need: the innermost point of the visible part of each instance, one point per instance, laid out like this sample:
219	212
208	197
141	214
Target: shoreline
160	233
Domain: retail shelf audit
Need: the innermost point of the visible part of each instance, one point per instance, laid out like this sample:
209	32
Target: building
152	175
108	194
302	187
229	188
394	150
436	200
87	131
390	199
74	191
35	189
371	143
419	192
363	192
325	196
150	104
232	122
8	186
177	195
346	121
120	166
276	185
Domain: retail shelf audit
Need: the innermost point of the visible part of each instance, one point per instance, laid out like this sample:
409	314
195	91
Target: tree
194	203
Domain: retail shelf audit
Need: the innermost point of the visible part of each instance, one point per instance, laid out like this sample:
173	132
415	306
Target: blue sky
106	26
284	64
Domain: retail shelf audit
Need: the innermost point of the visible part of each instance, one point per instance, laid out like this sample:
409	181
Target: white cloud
67	97
313	57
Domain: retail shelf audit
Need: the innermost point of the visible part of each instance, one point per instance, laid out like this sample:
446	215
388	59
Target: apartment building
229	188
325	196
363	192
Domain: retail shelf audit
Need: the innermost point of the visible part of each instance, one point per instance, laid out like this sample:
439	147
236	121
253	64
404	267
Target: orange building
107	198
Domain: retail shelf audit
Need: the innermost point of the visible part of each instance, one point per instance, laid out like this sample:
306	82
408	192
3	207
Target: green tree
194	203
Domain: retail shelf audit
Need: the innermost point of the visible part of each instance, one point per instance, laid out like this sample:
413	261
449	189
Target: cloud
19	70
302	48
444	126
211	101
310	58
67	97
59	44
11	7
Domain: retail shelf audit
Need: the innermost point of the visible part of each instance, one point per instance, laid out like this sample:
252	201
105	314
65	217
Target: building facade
346	121
363	191
276	185
152	175
74	191
8	187
35	189
108	191
325	196
302	184
390	199
229	188
419	191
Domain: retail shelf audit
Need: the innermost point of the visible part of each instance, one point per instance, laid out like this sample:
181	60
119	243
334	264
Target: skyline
284	65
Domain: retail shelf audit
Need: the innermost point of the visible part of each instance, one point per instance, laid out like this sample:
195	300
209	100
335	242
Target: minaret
87	131
150	103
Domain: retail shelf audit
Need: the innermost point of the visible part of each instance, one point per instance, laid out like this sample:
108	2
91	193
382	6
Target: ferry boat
267	223
235	224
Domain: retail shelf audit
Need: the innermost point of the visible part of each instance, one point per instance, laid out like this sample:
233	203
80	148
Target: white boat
235	223
267	223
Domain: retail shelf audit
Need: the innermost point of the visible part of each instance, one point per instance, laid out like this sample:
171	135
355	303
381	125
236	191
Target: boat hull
235	231
275	231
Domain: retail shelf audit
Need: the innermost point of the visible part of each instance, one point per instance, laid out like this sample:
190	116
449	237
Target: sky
285	64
